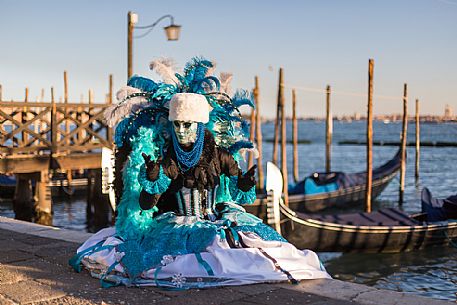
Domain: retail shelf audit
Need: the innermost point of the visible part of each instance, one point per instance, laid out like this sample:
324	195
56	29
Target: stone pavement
34	270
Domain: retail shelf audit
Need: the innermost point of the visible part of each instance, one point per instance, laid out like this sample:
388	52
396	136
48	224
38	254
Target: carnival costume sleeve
241	186
153	181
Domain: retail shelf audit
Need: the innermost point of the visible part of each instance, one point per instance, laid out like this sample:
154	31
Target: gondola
337	189
386	230
343	189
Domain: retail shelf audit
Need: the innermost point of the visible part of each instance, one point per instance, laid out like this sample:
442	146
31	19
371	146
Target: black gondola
351	189
387	230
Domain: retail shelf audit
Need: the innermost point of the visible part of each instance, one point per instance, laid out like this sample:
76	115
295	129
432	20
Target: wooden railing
52	128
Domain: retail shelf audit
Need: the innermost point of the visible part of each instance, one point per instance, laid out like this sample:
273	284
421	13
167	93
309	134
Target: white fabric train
261	261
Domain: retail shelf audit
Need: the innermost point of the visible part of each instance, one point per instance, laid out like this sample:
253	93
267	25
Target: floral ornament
178	280
167	259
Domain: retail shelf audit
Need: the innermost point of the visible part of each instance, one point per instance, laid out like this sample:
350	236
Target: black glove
247	181
146	200
152	167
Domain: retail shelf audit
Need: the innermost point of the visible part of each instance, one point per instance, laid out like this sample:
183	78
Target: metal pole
328	134
369	137
403	144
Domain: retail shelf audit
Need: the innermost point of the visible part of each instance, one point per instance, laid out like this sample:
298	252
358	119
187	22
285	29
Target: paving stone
291	297
255	289
326	287
29	291
54	275
211	296
395	298
121	295
10	274
59	253
12	244
10	256
4	301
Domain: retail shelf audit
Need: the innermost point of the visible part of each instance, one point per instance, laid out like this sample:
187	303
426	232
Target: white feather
116	113
165	68
211	70
226	80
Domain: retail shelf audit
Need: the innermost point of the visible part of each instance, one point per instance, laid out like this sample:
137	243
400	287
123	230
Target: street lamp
172	31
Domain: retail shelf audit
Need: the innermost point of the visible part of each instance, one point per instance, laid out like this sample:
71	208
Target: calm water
430	273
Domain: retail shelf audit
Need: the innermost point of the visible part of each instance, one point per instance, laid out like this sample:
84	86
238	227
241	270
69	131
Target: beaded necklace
188	159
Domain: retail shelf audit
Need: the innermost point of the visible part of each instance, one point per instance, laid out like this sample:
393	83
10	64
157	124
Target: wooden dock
38	140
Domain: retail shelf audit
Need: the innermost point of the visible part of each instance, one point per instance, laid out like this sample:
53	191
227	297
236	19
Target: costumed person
179	188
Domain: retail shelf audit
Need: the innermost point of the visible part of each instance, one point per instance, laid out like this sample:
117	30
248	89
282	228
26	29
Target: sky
317	43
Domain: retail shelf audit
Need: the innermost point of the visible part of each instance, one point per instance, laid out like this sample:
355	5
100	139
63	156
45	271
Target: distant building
448	112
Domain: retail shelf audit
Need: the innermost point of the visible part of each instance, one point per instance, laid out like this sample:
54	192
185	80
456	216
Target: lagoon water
430	273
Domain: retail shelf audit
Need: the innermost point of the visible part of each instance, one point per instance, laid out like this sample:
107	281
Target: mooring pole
109	131
283	144
251	138
258	129
328	133
403	144
43	202
278	115
369	137
67	122
417	141
295	136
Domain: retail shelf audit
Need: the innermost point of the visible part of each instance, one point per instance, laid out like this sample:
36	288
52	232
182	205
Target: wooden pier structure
39	139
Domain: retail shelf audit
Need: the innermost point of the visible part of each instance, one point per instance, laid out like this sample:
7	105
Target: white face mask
186	132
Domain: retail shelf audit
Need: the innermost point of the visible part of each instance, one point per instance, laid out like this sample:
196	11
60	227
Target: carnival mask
186	132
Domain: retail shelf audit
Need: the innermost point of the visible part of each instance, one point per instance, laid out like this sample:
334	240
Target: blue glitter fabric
158	186
238	195
178	235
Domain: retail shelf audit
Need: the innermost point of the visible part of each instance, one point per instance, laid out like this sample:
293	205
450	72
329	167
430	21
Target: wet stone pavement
34	270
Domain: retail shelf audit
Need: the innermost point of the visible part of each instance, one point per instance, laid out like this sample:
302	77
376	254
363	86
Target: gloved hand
247	181
152	167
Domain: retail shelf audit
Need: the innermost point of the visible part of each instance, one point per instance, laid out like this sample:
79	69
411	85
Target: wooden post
24	117
43	203
283	144
22	202
54	126
369	137
98	206
295	136
328	133
109	131
403	144
67	122
251	138
417	141
278	115
130	25
258	129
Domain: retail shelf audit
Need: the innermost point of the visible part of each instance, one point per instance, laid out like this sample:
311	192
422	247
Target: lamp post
172	31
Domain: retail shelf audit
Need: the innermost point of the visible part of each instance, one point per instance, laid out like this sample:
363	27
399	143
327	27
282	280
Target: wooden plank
14	104
37	163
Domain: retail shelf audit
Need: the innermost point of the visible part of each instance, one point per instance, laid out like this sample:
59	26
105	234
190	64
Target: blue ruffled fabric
158	186
171	236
